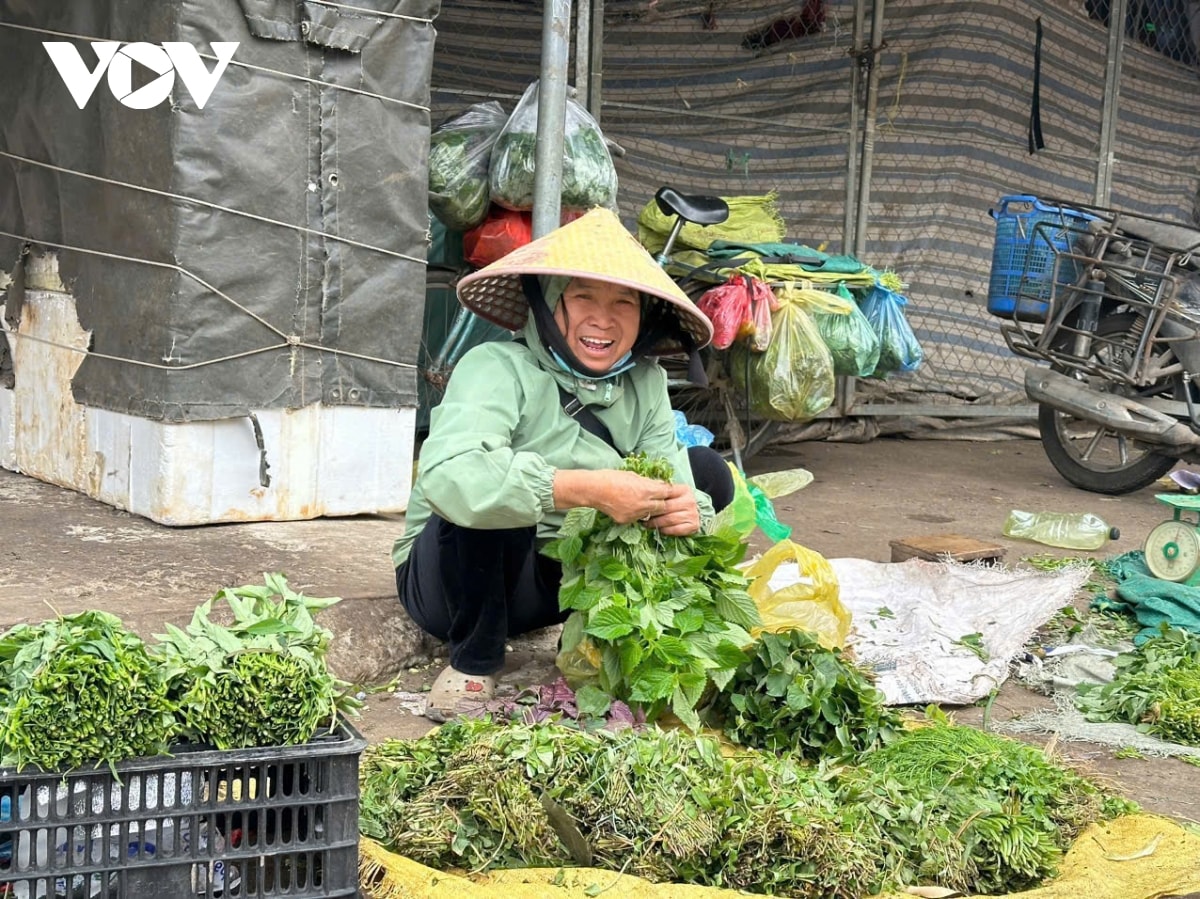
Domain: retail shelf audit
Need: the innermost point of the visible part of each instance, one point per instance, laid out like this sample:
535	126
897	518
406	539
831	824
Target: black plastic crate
279	821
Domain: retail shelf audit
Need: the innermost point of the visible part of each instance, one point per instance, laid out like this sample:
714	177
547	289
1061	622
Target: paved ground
61	552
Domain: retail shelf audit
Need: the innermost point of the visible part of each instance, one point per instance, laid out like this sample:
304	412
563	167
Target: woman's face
599	320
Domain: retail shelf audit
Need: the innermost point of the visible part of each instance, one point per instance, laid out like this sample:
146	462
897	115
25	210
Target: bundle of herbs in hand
658	618
261	680
79	690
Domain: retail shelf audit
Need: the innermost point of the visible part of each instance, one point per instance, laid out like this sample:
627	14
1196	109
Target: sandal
454	692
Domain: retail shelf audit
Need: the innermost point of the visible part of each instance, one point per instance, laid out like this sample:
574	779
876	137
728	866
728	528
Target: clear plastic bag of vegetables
851	339
793	380
589	177
460	152
898	346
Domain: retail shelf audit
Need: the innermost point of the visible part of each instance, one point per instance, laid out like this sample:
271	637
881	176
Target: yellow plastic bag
796	587
739	515
793	380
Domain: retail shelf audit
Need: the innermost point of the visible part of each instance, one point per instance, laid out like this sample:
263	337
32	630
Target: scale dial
1173	551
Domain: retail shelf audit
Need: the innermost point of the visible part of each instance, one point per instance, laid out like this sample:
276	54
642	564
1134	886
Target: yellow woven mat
1134	857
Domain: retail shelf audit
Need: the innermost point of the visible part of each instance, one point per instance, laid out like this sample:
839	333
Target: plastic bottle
1068	530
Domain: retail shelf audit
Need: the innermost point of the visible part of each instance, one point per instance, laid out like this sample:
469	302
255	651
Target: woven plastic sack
851	339
898	346
793	380
589	178
752	219
796	587
460	152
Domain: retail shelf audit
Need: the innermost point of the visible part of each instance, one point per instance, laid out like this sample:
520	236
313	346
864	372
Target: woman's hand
625	497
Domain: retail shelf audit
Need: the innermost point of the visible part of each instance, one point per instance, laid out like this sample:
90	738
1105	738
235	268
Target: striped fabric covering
696	105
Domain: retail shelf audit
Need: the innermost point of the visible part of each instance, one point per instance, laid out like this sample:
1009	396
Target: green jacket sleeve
470	471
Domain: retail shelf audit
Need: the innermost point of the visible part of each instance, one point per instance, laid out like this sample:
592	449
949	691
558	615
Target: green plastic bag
751	505
852	341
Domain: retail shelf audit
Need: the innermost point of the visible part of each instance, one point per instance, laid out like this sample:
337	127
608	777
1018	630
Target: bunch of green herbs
1156	687
666	616
795	695
79	690
262	679
1015	810
672	806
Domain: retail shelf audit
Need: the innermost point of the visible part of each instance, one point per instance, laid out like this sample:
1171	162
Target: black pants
475	589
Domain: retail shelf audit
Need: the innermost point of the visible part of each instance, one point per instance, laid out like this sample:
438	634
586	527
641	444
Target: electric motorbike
1108	306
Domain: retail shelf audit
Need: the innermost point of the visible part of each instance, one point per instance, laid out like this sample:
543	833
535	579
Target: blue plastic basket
1029	235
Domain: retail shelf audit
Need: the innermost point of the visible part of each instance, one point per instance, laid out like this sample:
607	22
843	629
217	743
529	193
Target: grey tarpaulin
331	253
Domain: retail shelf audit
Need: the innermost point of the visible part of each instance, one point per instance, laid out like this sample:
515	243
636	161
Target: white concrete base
324	460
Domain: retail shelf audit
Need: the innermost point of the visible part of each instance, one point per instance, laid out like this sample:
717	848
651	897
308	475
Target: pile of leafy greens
659	618
795	695
79	690
261	680
945	809
1156	687
1009	808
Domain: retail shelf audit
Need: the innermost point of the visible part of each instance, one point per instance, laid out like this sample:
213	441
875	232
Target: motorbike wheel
1097	459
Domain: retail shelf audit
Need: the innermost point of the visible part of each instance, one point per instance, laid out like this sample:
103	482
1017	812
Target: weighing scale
1173	547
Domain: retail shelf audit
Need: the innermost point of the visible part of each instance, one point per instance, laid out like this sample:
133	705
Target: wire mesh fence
900	152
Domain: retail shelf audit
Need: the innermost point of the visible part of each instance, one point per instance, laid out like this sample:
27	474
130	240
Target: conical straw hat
595	245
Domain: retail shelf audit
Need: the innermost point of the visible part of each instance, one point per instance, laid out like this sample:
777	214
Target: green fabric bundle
1148	599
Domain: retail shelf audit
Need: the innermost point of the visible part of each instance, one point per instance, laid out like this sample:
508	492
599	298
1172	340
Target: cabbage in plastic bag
460	153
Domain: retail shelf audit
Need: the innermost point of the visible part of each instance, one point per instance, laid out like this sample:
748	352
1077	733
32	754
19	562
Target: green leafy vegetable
1014	810
79	690
259	681
1156	687
667	805
588	176
974	642
794	695
661	617
459	158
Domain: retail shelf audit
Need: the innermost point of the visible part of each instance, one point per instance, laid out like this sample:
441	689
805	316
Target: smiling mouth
595	345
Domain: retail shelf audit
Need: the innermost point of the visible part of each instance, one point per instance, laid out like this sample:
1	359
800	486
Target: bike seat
699	210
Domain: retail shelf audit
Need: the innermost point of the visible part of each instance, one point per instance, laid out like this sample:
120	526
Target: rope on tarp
183	198
288	340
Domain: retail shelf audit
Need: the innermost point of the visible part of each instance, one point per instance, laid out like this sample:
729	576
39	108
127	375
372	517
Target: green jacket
500	432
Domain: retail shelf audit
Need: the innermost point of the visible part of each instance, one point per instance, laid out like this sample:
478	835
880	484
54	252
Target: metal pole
868	152
852	136
844	386
583	49
595	94
1108	111
552	116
